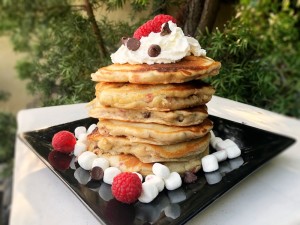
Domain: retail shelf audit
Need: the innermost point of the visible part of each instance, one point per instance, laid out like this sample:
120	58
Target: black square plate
170	207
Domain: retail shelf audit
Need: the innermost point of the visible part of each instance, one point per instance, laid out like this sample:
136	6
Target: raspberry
64	141
153	25
59	160
126	187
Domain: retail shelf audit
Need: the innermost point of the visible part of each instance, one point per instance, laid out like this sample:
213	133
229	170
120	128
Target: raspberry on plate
126	187
153	25
64	141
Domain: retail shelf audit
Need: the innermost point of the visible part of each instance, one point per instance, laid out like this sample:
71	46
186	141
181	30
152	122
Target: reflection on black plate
170	207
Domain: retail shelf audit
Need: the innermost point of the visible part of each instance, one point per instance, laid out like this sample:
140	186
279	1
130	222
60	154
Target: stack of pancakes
153	113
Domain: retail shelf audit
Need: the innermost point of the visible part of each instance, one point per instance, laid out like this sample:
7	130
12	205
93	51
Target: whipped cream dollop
174	46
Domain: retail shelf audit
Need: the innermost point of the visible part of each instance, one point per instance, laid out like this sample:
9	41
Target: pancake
147	153
129	163
160	97
184	117
155	134
187	69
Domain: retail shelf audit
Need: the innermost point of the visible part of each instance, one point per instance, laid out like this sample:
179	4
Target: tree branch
198	14
91	16
209	16
193	11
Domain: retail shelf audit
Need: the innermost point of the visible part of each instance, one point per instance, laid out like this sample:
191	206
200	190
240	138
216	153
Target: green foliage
136	5
4	95
7	132
260	52
259	49
62	48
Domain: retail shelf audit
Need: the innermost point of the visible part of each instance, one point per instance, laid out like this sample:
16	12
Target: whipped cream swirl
174	47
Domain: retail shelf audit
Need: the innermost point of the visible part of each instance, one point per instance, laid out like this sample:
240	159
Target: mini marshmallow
101	162
149	192
79	130
233	152
173	181
215	141
160	170
209	163
220	155
223	145
79	148
110	173
86	159
159	182
82	138
91	128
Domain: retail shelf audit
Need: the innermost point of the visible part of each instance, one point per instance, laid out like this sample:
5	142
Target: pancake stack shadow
153	113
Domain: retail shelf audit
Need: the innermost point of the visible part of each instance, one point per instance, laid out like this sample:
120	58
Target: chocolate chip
133	44
189	177
154	50
180	118
124	40
146	114
165	30
97	173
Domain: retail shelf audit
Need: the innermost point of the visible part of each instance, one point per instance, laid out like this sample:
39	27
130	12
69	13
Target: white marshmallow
220	155
86	159
82	138
82	176
215	141
233	152
149	192
213	177
173	181
110	173
79	130
209	163
79	148
223	145
160	170
159	182
91	128
101	162
139	175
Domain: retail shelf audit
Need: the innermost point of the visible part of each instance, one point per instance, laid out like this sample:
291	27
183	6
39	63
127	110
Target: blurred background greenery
63	42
